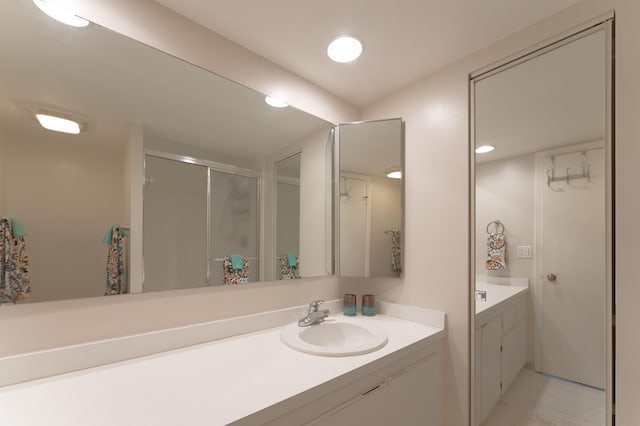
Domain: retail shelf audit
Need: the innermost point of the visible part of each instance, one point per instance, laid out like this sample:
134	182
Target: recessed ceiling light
484	149
344	49
394	174
58	124
60	13
275	102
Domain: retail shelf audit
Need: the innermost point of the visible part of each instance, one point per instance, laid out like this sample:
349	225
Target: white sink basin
334	337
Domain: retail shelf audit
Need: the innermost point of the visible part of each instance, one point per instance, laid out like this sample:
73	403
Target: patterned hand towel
14	263
116	282
396	263
232	275
496	252
289	267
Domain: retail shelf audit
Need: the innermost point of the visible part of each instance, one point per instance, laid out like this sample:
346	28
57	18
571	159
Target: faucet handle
313	306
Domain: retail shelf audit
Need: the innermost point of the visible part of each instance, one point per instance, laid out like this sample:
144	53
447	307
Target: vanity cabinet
409	398
500	352
403	390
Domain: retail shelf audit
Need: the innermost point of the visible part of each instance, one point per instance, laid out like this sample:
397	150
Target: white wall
505	191
386	214
288	219
313	201
436	217
67	194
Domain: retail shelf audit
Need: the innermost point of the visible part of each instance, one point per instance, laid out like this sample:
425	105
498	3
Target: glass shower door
234	224
175	225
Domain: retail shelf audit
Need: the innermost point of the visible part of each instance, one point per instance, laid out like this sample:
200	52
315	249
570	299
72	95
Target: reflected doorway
543	227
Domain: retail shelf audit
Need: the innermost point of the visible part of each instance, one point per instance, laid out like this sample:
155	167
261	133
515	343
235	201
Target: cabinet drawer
509	318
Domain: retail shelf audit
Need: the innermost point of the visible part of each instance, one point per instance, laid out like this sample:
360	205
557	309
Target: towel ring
497	225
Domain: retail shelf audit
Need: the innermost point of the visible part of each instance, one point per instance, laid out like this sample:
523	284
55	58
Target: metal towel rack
220	259
568	177
497	224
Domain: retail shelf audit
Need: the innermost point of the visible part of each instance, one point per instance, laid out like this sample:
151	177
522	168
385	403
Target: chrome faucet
482	294
315	315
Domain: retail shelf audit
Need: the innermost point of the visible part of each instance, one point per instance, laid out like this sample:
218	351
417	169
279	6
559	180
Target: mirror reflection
370	199
540	203
288	218
203	143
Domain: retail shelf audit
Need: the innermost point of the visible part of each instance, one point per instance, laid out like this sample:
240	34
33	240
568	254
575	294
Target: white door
572	270
354	232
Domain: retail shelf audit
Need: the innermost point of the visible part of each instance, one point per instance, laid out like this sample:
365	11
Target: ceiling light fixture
344	49
275	102
484	149
394	174
58	124
60	13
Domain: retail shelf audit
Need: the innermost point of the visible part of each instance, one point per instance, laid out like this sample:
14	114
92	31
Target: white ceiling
404	40
110	81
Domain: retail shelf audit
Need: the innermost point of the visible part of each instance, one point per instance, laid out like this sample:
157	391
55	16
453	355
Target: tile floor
534	399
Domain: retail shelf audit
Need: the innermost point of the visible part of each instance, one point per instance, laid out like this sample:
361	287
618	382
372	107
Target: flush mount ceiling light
344	49
60	13
395	173
484	149
58	124
275	102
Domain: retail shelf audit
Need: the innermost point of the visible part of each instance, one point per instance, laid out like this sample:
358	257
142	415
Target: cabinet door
491	368
412	398
514	353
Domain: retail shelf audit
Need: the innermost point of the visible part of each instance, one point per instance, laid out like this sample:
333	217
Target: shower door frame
223	168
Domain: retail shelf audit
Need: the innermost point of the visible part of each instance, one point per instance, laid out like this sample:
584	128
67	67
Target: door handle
551	277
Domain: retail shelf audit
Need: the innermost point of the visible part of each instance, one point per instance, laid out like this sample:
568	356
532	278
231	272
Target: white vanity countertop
497	294
210	384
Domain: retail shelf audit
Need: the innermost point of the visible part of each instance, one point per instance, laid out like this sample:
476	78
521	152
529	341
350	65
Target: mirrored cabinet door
543	163
369	200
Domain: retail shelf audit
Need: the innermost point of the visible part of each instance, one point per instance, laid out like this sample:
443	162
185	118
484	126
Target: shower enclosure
196	214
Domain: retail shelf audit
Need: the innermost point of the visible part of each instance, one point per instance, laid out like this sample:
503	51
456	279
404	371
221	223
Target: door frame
605	22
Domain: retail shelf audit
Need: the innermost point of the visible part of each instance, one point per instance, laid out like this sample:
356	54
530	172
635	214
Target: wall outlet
523	252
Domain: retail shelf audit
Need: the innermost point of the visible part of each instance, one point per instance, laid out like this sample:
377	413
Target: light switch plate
523	252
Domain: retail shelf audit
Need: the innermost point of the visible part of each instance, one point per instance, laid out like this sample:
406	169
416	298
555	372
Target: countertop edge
483	315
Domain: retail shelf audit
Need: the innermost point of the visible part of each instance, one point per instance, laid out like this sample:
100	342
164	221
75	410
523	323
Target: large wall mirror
369	199
208	147
543	277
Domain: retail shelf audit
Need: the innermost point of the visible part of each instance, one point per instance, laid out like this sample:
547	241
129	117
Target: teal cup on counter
349	305
368	305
